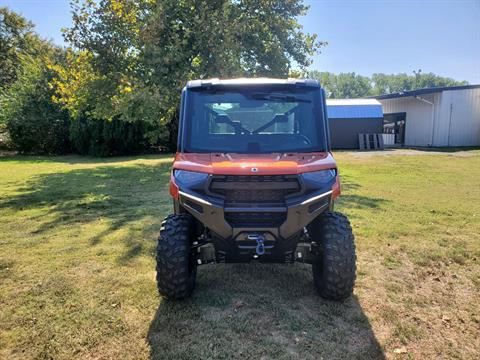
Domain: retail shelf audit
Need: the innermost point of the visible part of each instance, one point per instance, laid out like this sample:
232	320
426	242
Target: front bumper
297	215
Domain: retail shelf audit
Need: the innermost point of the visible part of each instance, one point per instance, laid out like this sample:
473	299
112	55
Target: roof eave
424	91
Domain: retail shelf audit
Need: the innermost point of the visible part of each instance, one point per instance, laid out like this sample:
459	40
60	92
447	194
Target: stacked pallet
370	141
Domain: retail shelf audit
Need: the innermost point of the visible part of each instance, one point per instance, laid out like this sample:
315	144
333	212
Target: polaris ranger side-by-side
254	180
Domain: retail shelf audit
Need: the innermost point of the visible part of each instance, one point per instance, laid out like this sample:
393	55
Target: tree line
351	85
116	88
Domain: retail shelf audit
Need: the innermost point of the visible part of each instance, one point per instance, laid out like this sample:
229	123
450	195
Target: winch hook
260	249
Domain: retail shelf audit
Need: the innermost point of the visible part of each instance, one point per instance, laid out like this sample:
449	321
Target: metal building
350	117
446	116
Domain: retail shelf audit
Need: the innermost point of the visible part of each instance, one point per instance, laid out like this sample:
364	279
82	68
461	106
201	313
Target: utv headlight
189	178
321	177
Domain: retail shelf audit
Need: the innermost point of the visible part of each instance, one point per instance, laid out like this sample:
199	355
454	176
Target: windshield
257	120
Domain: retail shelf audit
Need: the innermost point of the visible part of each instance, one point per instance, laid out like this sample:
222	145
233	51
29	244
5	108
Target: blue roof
354	109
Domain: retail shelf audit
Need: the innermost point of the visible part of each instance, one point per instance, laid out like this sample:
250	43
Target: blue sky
365	36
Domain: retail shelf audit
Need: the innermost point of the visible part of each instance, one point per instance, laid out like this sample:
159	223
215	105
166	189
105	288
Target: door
395	124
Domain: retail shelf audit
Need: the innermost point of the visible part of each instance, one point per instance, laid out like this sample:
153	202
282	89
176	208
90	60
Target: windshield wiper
278	97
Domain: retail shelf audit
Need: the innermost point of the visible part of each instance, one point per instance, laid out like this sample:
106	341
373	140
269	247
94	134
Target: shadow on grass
350	199
260	311
119	198
452	149
359	202
79	159
265	311
238	311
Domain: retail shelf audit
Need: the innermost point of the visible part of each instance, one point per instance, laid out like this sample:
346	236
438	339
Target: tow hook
260	248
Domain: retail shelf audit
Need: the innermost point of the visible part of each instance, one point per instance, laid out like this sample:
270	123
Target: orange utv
254	180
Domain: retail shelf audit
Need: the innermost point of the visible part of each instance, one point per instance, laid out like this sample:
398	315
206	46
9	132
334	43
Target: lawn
77	280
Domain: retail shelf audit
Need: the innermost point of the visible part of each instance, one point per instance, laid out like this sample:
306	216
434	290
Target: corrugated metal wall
458	118
456	121
418	125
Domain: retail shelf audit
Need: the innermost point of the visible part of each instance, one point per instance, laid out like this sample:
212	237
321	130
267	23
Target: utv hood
254	164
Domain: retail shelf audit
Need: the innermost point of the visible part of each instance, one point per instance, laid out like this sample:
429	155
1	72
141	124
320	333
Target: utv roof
251	81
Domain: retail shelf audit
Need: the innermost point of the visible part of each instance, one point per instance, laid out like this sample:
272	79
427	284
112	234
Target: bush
34	123
5	141
40	132
107	138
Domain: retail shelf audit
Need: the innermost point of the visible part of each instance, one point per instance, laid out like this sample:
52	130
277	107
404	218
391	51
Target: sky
364	36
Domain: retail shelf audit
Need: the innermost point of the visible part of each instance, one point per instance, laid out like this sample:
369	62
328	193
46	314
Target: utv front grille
262	197
254	190
255	219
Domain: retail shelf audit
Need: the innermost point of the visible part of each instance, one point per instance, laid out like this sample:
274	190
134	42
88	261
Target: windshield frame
319	113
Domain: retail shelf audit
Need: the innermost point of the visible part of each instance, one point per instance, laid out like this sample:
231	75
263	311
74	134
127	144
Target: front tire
176	265
334	275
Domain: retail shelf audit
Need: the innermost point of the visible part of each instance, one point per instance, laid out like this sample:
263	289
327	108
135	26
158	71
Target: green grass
77	279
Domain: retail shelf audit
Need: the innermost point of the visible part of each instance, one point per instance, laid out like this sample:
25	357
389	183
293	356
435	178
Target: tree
35	124
17	39
21	47
387	84
140	54
351	85
343	85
